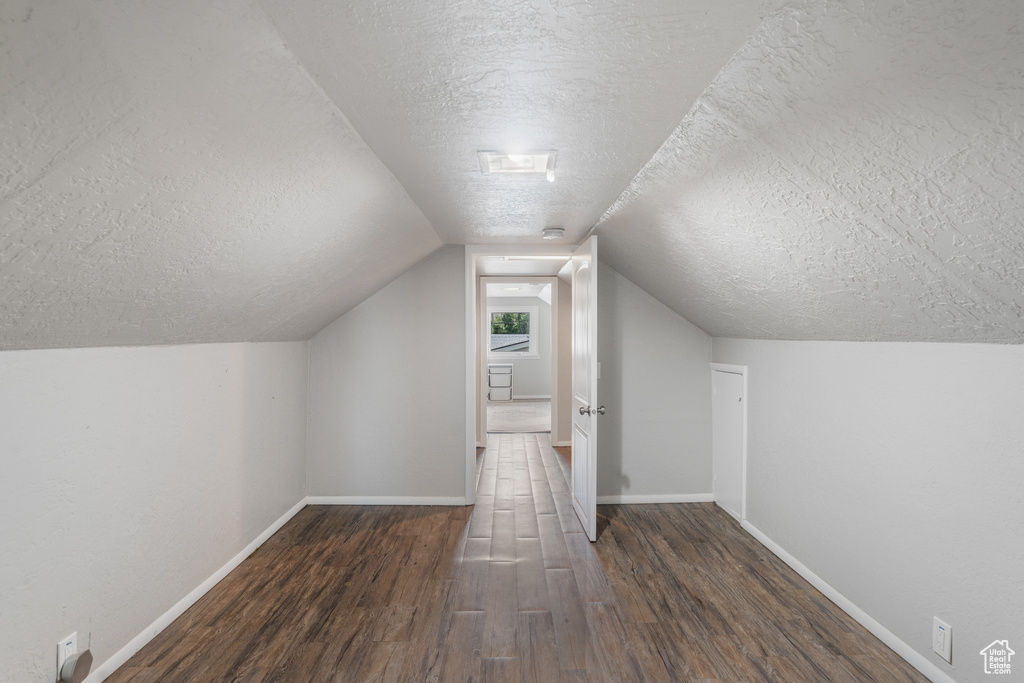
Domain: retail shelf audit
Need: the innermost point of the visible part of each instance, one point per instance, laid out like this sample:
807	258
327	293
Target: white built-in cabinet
499	382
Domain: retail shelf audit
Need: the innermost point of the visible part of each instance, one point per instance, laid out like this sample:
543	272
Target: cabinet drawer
500	394
499	380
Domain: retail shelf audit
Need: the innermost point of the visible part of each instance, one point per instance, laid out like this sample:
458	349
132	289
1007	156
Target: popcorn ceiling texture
250	171
854	173
171	174
427	84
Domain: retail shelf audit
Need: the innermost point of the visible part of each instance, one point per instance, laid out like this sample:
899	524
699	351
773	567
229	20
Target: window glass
511	331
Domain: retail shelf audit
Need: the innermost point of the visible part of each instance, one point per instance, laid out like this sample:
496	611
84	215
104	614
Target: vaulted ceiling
854	172
244	170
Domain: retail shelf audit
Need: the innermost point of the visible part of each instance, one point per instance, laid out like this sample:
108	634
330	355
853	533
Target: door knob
584	410
599	411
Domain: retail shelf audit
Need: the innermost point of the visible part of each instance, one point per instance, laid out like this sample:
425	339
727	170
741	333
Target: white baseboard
560	444
386	500
531	397
163	621
912	656
655	498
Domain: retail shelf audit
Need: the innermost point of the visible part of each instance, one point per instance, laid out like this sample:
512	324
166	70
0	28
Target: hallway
511	590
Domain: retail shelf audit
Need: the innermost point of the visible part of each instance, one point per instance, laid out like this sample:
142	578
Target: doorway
574	364
532	266
520	353
518	332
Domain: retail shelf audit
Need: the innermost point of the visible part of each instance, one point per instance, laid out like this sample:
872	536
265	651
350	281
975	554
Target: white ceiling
171	174
245	170
428	84
853	173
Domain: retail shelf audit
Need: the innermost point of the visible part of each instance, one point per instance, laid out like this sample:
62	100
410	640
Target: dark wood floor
511	590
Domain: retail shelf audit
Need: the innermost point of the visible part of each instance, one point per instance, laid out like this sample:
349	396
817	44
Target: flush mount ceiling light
554	233
524	162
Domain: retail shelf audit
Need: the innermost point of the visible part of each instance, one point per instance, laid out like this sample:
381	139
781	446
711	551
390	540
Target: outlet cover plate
65	648
942	639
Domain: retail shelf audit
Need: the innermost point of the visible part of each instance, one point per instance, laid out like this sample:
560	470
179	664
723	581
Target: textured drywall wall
530	376
387	398
429	84
655	383
130	476
172	174
893	471
854	172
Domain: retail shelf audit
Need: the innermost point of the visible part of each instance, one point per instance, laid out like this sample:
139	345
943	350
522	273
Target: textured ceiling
172	174
252	169
427	84
855	172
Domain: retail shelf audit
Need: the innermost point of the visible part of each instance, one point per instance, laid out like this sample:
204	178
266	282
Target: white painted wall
387	405
531	377
893	471
655	439
130	475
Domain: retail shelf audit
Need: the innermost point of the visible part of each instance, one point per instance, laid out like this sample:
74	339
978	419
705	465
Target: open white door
585	407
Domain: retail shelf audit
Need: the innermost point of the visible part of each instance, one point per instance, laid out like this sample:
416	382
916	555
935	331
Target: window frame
533	351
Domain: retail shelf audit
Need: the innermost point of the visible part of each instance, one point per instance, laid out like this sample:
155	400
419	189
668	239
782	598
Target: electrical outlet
65	648
942	639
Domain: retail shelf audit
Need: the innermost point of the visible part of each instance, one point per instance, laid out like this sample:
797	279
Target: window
512	331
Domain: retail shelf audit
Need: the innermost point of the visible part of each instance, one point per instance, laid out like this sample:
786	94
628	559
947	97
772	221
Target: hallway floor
512	590
519	416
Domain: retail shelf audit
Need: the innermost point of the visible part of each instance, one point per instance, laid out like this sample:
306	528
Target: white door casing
585	404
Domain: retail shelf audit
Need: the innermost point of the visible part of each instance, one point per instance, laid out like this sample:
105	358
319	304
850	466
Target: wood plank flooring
511	590
519	416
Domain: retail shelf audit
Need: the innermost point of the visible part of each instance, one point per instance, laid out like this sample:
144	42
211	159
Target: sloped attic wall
172	174
853	173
